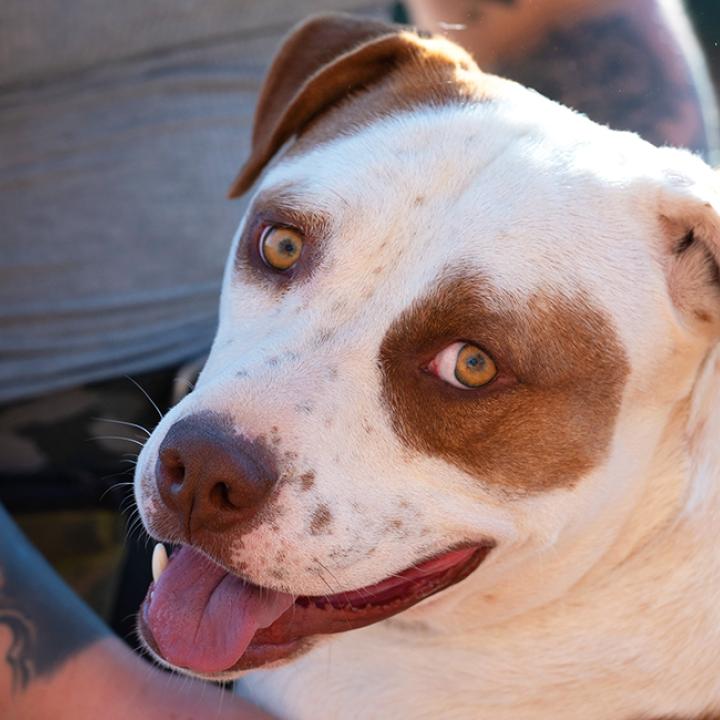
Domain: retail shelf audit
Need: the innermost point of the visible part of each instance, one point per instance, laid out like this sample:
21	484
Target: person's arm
58	660
631	64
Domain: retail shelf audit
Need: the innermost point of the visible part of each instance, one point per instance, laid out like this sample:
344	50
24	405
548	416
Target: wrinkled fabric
121	128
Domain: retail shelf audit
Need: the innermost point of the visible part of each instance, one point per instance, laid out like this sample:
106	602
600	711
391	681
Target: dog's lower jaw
642	651
637	636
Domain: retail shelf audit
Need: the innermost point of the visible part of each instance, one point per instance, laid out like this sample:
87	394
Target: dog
454	452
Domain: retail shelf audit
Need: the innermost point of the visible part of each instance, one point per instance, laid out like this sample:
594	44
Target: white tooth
159	561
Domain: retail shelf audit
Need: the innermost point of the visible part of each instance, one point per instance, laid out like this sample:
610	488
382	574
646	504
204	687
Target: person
631	65
114	239
59	661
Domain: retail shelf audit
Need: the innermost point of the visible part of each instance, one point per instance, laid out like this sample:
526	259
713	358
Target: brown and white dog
455	452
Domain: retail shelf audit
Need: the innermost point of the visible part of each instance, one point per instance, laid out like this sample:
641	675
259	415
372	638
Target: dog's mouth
202	618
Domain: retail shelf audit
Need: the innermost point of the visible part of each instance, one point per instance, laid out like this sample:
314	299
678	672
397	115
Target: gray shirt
121	127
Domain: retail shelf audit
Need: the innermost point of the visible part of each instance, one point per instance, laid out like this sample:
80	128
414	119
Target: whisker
115	485
325	582
335	579
189	385
115	474
127	501
124	422
132	516
116	437
136	530
327	597
327	570
142	390
132	519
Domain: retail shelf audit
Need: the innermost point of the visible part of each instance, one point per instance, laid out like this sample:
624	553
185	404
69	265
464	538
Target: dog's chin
204	620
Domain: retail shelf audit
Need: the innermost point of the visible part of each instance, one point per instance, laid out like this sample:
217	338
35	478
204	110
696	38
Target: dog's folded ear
298	85
689	207
322	61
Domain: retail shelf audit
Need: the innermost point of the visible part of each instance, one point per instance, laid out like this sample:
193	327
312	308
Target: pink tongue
202	618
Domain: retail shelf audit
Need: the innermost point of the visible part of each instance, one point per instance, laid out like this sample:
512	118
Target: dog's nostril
220	496
172	468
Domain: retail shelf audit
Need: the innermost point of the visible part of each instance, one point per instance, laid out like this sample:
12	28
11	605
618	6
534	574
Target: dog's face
455	324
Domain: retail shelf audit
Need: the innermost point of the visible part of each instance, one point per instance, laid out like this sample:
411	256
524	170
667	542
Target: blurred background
705	15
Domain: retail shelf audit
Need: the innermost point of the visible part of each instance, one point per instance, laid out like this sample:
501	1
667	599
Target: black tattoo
47	623
19	654
607	68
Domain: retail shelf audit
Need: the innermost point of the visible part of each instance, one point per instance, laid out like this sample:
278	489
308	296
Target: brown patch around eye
548	426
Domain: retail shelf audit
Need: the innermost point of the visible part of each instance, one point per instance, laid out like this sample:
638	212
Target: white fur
599	601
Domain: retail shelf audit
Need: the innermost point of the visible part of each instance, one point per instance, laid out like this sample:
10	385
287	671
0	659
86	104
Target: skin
57	660
632	64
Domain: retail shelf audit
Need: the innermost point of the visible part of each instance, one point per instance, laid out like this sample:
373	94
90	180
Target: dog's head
456	325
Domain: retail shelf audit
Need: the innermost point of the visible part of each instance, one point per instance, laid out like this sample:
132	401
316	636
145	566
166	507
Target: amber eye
474	367
280	247
464	365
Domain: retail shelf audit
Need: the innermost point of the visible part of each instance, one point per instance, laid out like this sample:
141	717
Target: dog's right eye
280	247
464	365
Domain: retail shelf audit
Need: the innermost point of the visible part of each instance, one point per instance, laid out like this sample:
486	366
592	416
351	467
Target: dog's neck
635	635
680	491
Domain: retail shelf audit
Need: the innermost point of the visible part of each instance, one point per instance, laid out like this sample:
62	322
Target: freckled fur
320	521
307	480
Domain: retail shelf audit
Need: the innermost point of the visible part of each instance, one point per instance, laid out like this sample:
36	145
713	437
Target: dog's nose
209	477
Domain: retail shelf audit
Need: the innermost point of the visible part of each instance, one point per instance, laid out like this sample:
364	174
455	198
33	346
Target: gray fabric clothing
121	127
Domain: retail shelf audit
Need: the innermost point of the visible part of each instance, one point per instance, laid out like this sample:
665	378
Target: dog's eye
280	247
464	365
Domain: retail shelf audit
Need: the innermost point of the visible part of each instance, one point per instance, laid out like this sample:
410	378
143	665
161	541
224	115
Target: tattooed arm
57	660
631	64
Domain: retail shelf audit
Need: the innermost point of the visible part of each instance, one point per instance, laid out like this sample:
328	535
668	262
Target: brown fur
329	60
321	519
433	76
307	480
548	416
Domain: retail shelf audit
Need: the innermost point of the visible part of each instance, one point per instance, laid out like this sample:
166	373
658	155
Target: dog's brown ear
690	212
320	62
